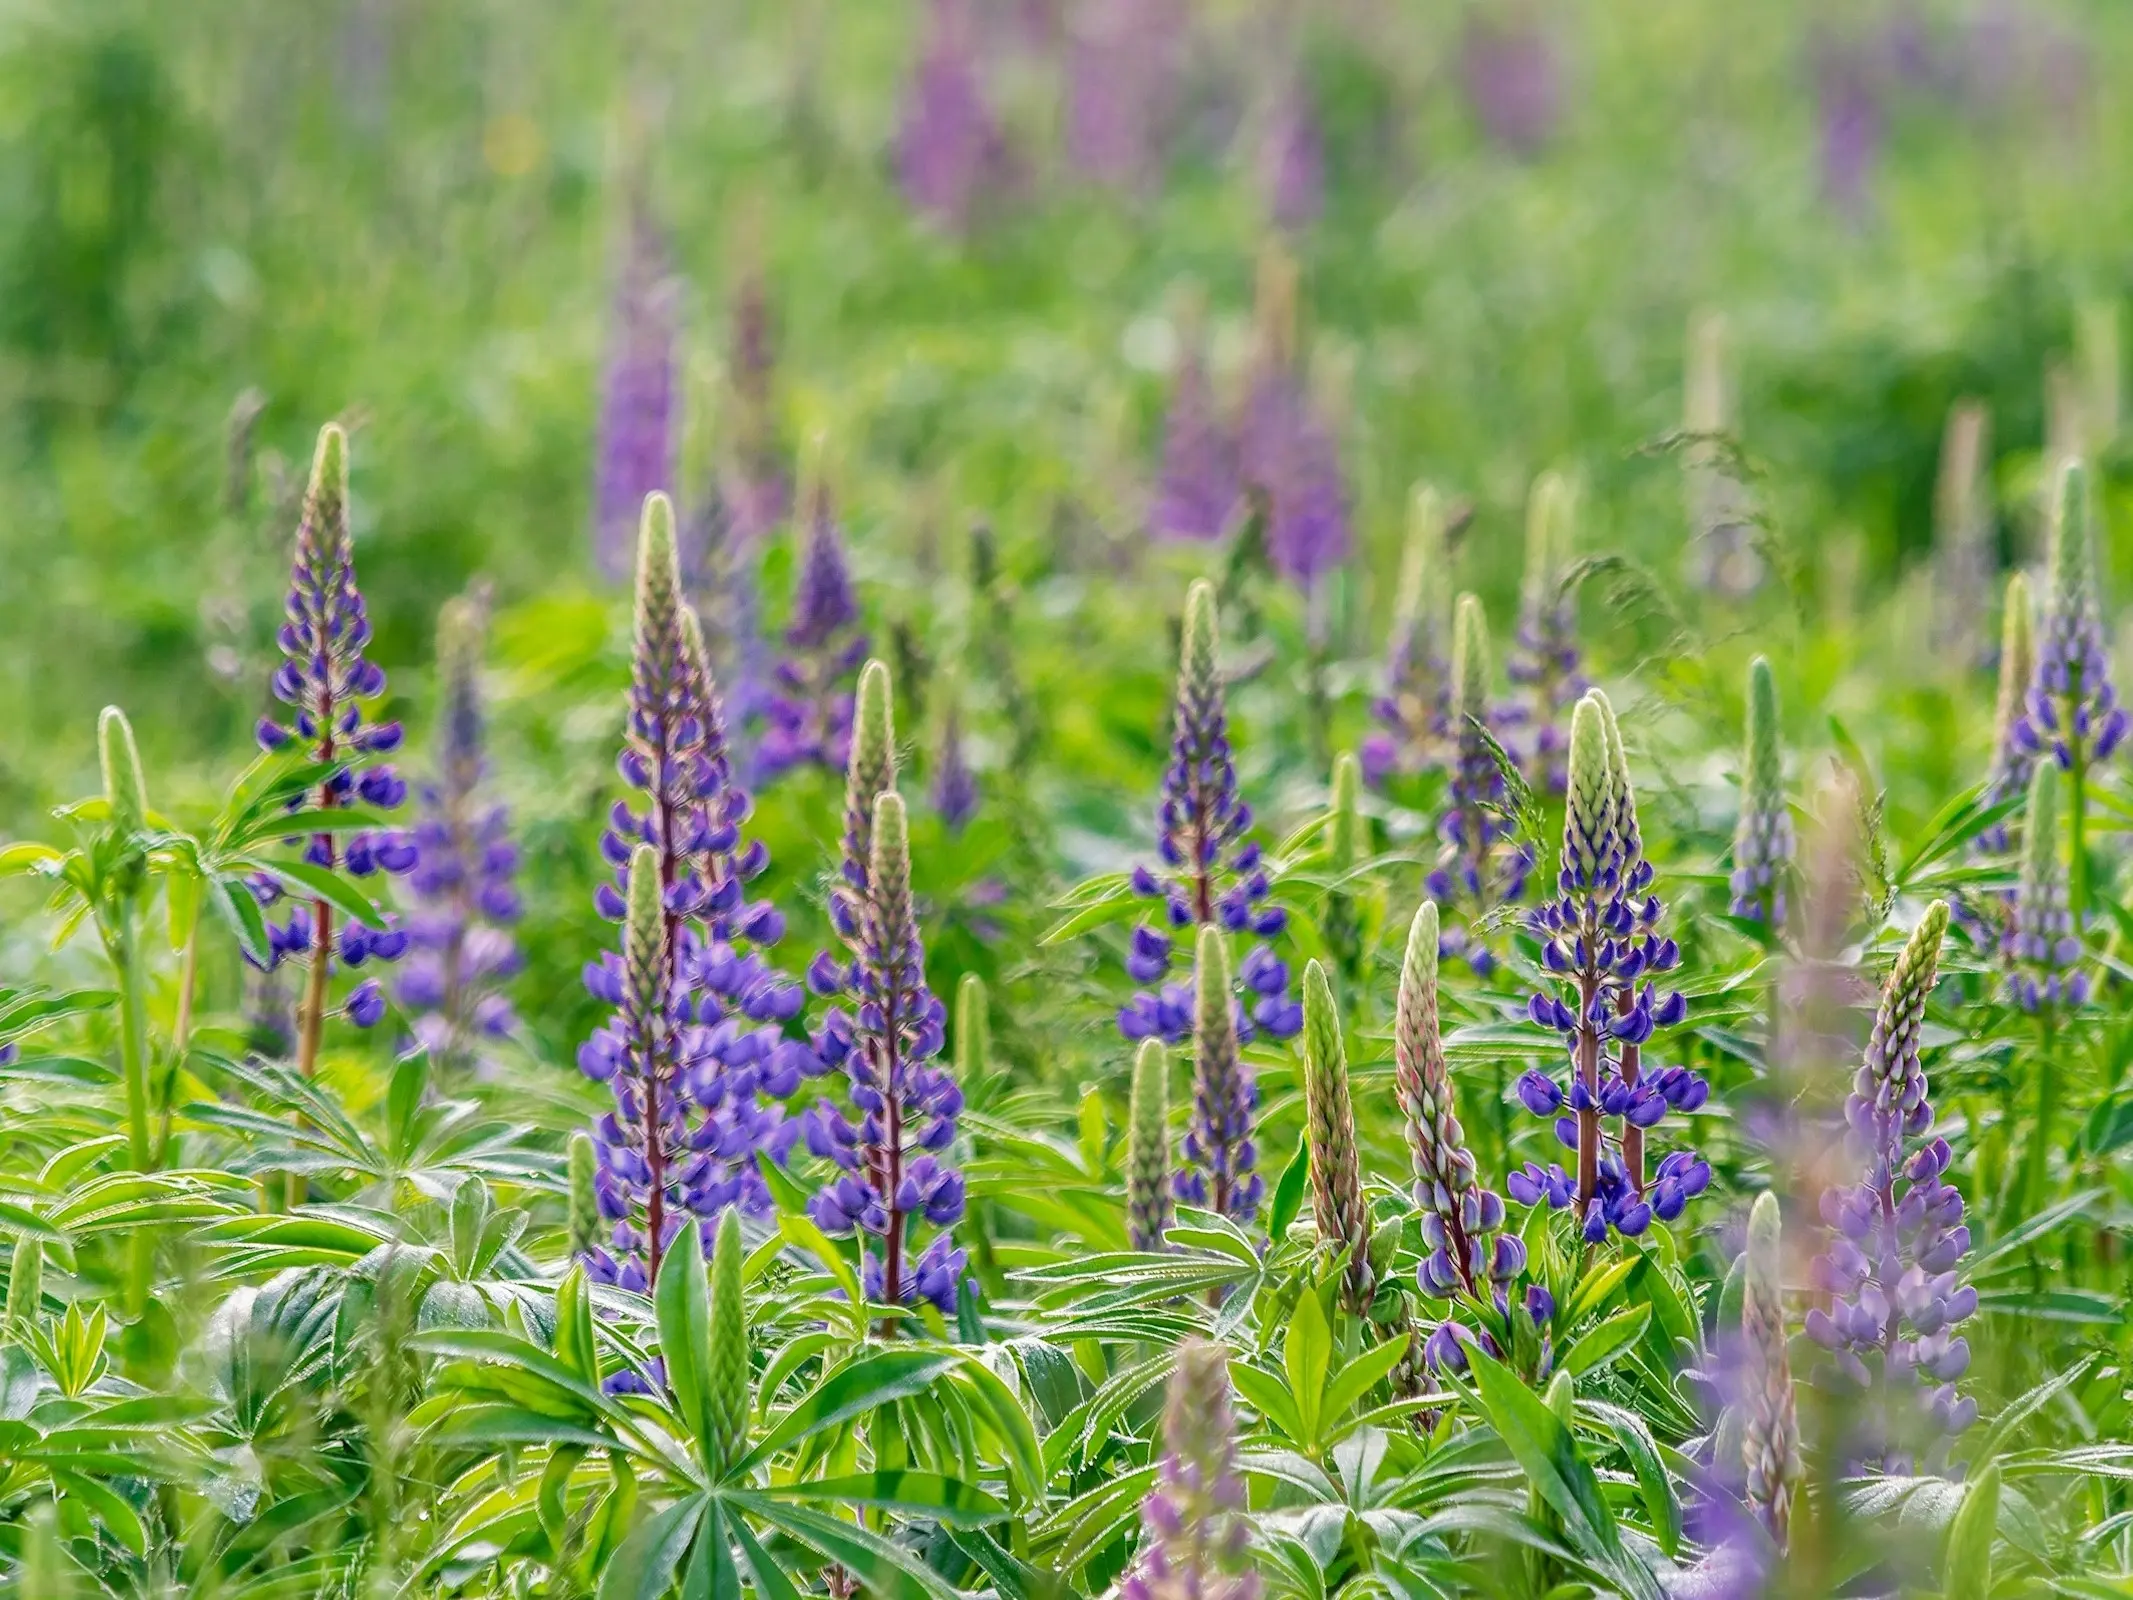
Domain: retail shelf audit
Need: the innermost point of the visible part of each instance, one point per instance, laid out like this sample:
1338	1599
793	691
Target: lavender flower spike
1890	1265
1337	1204
1219	1153
1458	1215
895	1174
1416	705
809	709
1148	1148
948	150
1195	1543
1211	872
325	677
2011	757
1770	1434
955	786
1480	864
1600	937
1762	842
1197	489
463	882
2073	707
637	394
1546	662
2042	946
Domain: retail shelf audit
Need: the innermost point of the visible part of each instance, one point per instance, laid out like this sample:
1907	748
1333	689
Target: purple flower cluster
1481	864
1547	663
1211	873
1287	446
894	1168
1513	82
1196	491
955	786
1600	936
1122	69
2042	944
1195	1541
465	898
1897	1238
808	713
324	678
1292	157
635	454
759	478
690	1060
948	150
2072	709
1415	707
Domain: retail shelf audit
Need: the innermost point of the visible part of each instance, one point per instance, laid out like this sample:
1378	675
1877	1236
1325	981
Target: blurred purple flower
1198	487
1122	68
809	709
949	148
1513	81
1292	157
635	453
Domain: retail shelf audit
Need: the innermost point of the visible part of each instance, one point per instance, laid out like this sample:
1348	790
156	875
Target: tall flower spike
125	791
1195	1543
870	773
1762	841
1197	487
1600	937
726	1398
761	478
1458	1215
1219	1152
955	786
1122	79
1347	847
949	149
1480	863
895	1174
2012	757
465	898
1896	1239
1770	1433
1720	521
1329	1132
686	1140
637	393
325	677
1547	661
1211	873
2073	708
2042	946
1415	708
581	1166
1963	554
1148	1148
808	714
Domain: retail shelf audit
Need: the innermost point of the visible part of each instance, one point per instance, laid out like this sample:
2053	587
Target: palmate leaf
863	1384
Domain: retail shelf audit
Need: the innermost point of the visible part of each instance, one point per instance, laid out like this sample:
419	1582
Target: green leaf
317	883
888	1571
1602	1342
924	1494
1288	1193
1966	1568
1661	1505
1362	1375
1004	1413
771	1583
858	1387
644	1568
1306	1352
1267	1395
682	1301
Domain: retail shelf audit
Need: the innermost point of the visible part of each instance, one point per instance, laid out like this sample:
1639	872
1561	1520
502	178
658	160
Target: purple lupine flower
1897	1237
1288	447
635	455
955	786
1219	1151
1547	662
1197	489
2042	945
1513	82
1122	71
1211	872
2072	709
759	483
1292	157
689	1085
720	574
808	714
1195	1542
465	897
1850	125
895	1172
1415	707
949	149
325	677
1600	937
1481	863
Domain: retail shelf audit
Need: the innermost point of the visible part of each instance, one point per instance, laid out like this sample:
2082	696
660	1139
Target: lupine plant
1415	706
1762	839
1482	864
1546	663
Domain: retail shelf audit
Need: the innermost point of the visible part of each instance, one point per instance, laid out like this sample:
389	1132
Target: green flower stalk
1963	556
1347	847
1762	842
869	774
2011	758
1770	1434
973	1032
583	1168
127	796
1148	1148
727	1398
1546	661
1329	1131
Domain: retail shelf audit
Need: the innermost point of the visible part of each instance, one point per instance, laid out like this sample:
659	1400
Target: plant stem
2077	867
2036	1167
181	1035
311	1018
133	1040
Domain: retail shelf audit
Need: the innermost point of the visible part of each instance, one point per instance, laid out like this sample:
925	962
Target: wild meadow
1189	799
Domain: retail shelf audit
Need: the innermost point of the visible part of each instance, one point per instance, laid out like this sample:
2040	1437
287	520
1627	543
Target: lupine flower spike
1897	1237
1329	1132
949	150
1480	864
1211	872
1963	554
1347	846
2073	708
761	479
895	1170
688	1119
2012	757
1415	708
808	716
1600	936
1770	1432
1195	1543
325	677
1762	841
1219	1152
1197	488
1721	521
1148	1148
463	882
955	786
637	393
2042	946
726	1399
1546	663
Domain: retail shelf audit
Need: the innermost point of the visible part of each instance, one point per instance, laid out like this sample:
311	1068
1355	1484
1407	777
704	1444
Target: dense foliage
1030	934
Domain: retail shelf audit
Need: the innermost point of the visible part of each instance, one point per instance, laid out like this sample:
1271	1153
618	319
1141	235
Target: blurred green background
407	213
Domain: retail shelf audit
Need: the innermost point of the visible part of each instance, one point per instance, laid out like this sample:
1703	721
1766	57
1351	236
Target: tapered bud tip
644	887
120	759
1422	943
1549	510
1150	1065
874	716
329	462
1765	771
1471	663
891	826
973	1026
1589	763
1765	1228
1317	996
1211	978
1346	837
1203	635
726	1247
2018	623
